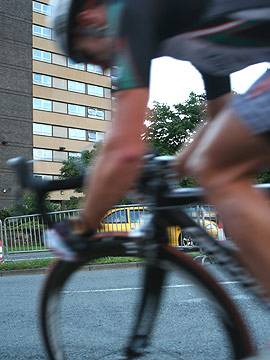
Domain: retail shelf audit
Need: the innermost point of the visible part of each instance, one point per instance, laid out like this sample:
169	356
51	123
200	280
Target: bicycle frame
150	241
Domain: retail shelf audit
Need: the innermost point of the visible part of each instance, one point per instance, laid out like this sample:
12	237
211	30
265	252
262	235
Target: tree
263	177
170	128
167	130
73	203
76	166
28	205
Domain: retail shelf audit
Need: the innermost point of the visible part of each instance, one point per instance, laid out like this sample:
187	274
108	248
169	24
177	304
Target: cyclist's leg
224	162
213	108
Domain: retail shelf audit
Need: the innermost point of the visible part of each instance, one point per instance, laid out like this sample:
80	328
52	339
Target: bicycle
149	242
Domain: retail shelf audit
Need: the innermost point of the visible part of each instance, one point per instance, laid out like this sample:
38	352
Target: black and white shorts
253	107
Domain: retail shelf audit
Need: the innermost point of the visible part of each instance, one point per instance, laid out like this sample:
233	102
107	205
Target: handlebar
156	168
26	179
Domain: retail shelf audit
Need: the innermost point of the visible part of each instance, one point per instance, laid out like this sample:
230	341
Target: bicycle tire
61	271
58	275
237	331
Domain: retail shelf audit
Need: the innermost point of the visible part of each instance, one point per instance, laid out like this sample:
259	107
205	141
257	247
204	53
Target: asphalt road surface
98	311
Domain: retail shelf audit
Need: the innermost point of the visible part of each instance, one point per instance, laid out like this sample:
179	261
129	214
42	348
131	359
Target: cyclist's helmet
63	22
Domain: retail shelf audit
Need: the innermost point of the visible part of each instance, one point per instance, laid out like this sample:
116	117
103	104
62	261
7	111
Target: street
97	312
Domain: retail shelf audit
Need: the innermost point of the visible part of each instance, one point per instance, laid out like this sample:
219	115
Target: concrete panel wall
15	90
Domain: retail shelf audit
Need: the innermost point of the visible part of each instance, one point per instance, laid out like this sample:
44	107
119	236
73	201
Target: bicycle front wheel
237	332
54	293
57	279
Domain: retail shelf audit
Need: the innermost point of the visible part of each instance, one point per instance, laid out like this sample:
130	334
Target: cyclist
218	37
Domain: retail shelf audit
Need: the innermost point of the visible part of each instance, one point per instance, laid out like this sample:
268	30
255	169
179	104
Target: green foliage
4	213
73	203
28	205
76	166
263	177
127	201
188	182
25	264
170	128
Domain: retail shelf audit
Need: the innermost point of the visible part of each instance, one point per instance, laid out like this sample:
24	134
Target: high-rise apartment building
71	102
51	108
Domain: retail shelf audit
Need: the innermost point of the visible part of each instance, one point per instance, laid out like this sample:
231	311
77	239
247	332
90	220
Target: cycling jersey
217	37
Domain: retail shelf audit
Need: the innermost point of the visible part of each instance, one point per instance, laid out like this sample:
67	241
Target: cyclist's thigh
253	107
238	134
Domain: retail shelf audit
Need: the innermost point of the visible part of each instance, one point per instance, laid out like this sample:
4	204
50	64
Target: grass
25	264
44	263
116	260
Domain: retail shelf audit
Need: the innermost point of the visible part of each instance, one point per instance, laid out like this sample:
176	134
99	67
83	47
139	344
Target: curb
89	267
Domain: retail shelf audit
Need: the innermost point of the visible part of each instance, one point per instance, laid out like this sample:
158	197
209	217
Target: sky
172	80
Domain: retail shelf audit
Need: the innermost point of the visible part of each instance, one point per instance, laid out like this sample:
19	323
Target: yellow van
127	218
123	218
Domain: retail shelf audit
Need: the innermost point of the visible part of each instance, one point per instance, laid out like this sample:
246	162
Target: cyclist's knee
123	152
206	171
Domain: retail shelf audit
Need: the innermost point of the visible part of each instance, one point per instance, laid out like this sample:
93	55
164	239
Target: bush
4	213
73	203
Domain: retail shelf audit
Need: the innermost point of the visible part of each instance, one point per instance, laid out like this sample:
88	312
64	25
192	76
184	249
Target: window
94	69
42	8
42	154
42	129
72	64
77	134
95	90
76	110
42	55
42	31
59	131
60	83
60	156
41	104
76	155
76	86
95	135
117	217
43	80
59	59
43	176
96	113
136	215
59	107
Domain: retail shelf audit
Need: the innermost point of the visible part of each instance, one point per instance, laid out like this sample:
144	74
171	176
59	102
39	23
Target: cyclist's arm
118	163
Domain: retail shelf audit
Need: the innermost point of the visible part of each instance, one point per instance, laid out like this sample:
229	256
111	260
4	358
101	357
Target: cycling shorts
253	107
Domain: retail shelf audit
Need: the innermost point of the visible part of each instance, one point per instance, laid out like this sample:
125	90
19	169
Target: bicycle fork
154	279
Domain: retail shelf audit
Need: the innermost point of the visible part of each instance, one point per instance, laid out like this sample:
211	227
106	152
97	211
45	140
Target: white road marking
137	288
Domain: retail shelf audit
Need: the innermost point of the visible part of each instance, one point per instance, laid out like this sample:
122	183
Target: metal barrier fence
26	233
1	242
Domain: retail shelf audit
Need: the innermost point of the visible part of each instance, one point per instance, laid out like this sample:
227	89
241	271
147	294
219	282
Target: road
98	311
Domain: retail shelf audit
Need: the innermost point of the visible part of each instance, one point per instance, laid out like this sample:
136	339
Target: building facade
15	90
71	102
51	108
